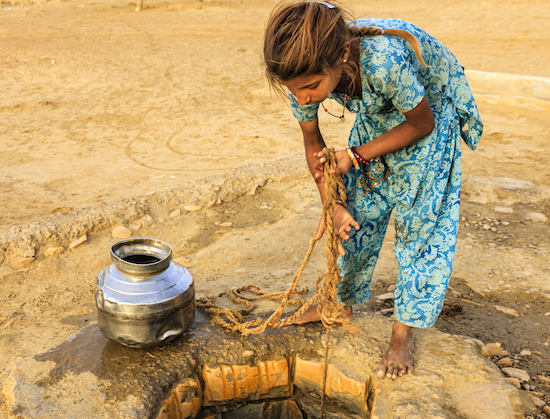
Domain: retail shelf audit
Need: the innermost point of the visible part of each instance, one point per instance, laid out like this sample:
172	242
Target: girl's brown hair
308	37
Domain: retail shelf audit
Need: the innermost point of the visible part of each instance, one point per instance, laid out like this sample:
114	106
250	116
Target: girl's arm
314	144
343	221
419	123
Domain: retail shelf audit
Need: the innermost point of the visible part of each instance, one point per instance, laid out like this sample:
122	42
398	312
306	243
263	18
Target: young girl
413	105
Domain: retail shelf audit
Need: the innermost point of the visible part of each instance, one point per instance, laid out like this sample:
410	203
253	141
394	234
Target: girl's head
307	38
304	39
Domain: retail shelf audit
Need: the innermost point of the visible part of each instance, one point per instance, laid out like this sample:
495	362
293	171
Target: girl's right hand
343	161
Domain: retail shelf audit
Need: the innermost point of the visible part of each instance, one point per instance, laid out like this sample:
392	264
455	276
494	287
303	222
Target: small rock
384	297
391	288
281	273
506	210
78	241
121	232
53	250
241	271
538	402
29	252
493	349
134	226
537	217
486	226
525	352
22	261
516	373
192	208
248	353
546	410
506	310
210	212
252	191
226	224
175	213
505	362
543	378
146	220
514	381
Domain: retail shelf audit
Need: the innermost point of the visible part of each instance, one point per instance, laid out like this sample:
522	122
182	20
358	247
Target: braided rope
330	310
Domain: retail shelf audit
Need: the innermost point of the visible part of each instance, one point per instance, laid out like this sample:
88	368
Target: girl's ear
346	52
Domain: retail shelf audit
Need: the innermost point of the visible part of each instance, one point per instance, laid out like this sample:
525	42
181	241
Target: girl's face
315	88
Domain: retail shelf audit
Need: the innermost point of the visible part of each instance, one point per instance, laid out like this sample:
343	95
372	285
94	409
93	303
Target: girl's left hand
343	222
343	164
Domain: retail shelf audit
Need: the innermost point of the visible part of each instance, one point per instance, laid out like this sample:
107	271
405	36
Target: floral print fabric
423	190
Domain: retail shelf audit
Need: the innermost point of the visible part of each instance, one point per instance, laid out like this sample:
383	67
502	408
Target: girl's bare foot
398	359
312	315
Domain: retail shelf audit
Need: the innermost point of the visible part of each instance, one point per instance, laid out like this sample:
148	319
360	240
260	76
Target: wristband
338	201
354	161
358	156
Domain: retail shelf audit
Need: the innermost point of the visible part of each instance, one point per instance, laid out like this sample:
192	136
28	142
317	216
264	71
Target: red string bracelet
358	156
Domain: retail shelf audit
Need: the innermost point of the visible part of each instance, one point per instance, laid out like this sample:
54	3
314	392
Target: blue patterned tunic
419	183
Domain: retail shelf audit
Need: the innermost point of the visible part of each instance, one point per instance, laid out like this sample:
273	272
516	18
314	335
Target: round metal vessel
144	298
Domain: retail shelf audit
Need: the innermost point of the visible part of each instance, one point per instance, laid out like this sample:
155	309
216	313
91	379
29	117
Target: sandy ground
100	103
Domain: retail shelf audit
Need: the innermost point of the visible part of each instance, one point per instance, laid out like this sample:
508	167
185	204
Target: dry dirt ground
100	103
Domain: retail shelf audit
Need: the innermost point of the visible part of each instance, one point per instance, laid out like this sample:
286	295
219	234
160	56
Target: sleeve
393	75
303	113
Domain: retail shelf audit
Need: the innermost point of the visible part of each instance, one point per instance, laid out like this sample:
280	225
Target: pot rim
141	246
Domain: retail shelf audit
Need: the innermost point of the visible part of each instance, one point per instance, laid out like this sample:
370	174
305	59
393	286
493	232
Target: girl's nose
304	99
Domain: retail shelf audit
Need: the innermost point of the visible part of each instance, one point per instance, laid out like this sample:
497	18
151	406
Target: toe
381	370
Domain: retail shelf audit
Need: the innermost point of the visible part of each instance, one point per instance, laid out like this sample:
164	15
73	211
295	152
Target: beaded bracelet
351	155
358	156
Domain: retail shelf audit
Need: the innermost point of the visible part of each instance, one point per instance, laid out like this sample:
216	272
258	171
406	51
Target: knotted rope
330	310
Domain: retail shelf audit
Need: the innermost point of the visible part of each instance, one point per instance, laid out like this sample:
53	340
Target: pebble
175	213
516	373
538	402
226	224
391	288
506	310
241	271
22	261
543	378
192	208
486	226
121	232
281	273
514	381
134	226
78	241
505	362
506	210
248	353
493	349
53	250
546	410
525	352
210	212
384	297
537	217
146	220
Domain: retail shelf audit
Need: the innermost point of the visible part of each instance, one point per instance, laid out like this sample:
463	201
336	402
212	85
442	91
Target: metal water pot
144	298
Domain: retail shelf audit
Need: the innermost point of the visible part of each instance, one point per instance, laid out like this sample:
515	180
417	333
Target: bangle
358	156
338	201
352	158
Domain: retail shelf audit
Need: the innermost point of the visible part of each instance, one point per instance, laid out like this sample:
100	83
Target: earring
345	61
